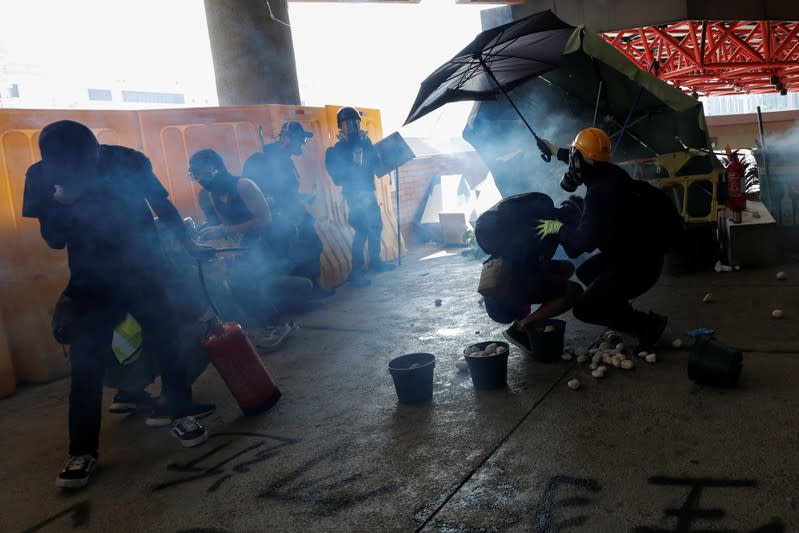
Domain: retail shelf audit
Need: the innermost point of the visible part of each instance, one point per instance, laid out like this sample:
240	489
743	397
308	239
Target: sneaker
189	432
517	337
130	402
381	266
159	416
651	334
358	281
76	472
273	336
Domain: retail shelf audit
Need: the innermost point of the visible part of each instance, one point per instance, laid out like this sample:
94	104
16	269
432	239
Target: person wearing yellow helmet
630	222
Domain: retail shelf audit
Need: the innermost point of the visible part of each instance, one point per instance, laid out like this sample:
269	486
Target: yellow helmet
593	144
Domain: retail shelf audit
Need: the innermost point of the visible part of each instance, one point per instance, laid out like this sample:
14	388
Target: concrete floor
644	450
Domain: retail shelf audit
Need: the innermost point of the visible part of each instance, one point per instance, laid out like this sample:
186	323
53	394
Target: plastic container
712	363
546	346
413	377
489	371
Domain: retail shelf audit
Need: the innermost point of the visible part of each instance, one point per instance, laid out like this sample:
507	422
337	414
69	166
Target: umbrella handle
546	154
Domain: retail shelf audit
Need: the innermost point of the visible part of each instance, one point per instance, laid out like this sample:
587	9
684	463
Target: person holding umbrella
352	163
632	224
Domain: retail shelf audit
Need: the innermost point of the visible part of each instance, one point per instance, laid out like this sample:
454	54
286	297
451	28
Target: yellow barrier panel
32	275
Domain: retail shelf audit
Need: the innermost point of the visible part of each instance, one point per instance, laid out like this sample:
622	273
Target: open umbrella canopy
505	55
595	85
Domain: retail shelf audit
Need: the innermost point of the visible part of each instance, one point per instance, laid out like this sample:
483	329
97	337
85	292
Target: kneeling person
507	232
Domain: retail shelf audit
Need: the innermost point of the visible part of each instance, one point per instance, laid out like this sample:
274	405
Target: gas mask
351	129
571	179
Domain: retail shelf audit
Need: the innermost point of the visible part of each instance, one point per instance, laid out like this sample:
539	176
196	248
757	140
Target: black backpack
658	214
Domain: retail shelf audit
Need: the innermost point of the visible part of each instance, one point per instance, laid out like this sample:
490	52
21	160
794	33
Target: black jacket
109	232
354	179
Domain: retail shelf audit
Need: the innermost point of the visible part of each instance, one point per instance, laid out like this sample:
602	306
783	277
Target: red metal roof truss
715	57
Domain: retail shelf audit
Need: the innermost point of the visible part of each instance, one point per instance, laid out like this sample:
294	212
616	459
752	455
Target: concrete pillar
253	53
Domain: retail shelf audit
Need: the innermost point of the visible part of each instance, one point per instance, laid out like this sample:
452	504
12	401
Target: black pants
96	313
364	217
611	282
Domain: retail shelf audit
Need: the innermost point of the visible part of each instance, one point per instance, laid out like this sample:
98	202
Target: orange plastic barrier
32	275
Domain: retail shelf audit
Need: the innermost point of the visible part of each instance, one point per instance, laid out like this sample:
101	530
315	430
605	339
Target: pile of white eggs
475	351
601	358
491	349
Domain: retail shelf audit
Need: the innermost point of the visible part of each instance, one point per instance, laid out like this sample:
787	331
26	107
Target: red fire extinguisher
235	358
735	176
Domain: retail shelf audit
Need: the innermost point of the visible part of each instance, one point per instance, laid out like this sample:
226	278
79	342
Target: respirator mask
571	179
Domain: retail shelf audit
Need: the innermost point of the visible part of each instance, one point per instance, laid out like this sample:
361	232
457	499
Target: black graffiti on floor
80	517
328	492
545	513
690	511
227	459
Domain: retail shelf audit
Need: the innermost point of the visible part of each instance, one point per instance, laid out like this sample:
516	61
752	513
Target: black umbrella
496	61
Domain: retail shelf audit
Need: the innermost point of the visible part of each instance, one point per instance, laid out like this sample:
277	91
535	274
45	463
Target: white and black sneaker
159	416
76	472
189	432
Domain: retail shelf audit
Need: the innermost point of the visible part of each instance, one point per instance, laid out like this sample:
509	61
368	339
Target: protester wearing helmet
293	234
352	163
626	220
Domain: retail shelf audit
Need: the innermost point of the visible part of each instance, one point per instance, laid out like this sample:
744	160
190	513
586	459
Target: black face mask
570	182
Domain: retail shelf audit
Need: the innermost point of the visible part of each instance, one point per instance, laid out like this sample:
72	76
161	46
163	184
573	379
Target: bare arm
256	204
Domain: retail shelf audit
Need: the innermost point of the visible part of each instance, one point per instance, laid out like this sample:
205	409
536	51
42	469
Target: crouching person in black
95	200
528	275
632	224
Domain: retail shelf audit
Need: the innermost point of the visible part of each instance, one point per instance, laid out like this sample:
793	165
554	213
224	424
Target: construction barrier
32	275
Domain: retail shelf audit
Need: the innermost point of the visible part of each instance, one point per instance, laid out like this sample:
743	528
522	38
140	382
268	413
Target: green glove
548	227
552	147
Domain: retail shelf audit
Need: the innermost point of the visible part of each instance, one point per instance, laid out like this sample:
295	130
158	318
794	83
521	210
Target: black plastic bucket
413	376
546	346
490	371
712	363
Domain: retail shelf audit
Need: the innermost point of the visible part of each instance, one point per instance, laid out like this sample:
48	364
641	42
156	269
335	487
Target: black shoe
130	402
381	266
189	432
518	338
650	335
159	416
358	281
76	472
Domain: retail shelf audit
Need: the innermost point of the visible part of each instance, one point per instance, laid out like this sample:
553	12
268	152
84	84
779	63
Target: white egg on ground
642	354
620	346
777	313
598	374
781	275
651	358
627	364
461	364
582	358
492	348
676	343
501	349
604	346
708	298
573	384
566	356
